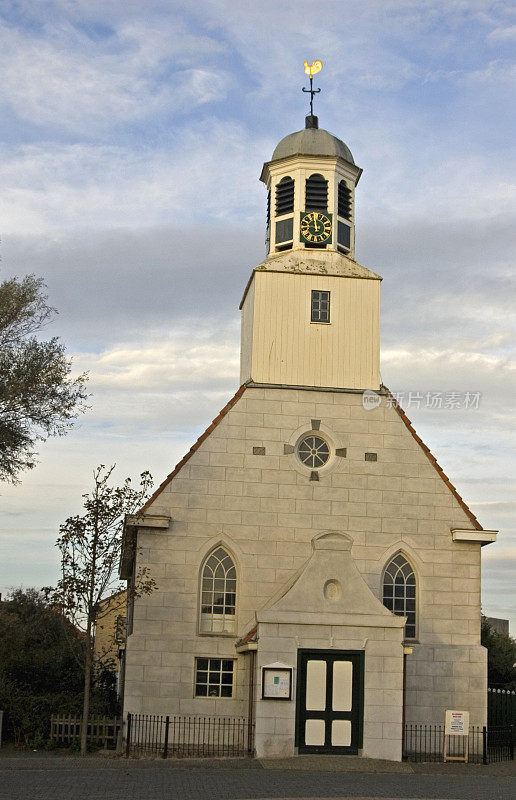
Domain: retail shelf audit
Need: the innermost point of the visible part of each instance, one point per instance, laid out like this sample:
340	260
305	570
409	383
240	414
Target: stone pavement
47	776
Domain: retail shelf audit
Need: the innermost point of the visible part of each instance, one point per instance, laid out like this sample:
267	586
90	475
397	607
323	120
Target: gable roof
393	402
433	460
194	447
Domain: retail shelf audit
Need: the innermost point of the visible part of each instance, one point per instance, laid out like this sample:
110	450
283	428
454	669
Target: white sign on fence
456	723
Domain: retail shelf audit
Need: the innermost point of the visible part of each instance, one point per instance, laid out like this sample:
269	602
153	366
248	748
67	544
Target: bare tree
90	548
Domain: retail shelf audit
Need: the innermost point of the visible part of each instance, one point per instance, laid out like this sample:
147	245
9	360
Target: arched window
344	200
218	593
285	196
399	592
316	193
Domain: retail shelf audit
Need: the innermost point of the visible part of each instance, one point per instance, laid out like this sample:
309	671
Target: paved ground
48	776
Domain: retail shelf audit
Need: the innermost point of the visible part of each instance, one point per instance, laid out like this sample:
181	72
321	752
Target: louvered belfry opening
344	200
268	225
316	193
285	196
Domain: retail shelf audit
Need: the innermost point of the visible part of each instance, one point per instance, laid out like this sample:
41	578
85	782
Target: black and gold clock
316	227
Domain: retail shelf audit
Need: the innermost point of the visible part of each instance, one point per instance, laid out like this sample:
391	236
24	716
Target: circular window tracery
313	451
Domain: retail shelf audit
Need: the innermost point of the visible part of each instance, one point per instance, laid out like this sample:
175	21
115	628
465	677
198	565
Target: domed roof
312	142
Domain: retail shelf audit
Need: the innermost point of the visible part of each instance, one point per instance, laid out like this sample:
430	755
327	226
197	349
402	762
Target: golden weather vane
311	70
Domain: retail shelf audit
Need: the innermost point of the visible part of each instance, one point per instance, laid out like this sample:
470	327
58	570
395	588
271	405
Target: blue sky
133	135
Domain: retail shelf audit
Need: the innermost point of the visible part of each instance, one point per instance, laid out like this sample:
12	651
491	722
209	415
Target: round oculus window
313	451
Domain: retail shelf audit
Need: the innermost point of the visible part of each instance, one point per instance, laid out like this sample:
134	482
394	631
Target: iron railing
484	745
188	736
501	707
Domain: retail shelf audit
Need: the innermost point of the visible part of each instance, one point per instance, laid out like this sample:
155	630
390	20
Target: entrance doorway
330	701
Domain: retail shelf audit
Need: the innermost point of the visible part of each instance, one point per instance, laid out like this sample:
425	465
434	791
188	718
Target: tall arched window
316	193
399	592
218	593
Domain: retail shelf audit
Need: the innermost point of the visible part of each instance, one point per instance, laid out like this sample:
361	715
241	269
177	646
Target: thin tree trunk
86	698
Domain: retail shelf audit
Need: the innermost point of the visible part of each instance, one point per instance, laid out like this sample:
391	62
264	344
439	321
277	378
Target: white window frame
211	622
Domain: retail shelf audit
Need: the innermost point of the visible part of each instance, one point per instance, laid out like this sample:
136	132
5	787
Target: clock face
315	227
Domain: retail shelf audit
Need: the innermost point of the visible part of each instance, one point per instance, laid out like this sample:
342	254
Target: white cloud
57	187
503	34
66	81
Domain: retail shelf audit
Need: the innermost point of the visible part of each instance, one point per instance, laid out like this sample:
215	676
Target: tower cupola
311	179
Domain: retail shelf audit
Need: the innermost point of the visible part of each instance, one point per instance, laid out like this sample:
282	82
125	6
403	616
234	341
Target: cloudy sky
133	134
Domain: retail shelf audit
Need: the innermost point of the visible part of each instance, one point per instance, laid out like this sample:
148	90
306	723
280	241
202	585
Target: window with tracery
399	592
218	593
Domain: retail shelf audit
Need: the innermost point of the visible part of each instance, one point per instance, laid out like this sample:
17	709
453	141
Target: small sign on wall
277	682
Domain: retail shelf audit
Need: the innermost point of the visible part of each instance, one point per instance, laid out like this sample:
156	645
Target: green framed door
330	701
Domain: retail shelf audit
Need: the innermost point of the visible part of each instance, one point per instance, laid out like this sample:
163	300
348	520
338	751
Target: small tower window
316	193
285	196
343	237
399	592
344	200
320	306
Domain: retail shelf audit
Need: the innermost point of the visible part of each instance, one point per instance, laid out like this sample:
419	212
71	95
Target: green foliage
42	669
38	398
501	657
41	657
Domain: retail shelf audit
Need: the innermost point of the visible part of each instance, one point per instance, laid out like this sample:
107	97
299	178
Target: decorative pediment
331	591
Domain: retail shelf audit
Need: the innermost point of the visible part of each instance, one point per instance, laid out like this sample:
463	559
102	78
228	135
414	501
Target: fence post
165	749
128	735
511	744
484	745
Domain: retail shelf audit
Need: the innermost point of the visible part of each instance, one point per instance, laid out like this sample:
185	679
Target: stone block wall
266	510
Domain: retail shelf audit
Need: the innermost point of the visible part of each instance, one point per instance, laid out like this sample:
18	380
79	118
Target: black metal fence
484	745
501	707
182	736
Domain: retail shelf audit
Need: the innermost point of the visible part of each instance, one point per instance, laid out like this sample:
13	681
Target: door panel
342	685
315	732
329	701
315	685
341	733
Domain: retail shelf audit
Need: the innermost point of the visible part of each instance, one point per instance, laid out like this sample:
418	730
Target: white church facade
316	570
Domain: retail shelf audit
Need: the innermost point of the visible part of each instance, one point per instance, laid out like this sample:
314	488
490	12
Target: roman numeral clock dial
316	227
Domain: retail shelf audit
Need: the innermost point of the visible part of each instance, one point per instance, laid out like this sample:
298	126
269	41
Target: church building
316	570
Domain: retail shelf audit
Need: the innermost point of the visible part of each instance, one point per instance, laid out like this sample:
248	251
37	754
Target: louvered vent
268	227
316	193
284	196
344	200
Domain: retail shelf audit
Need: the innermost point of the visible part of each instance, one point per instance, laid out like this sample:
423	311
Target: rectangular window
343	235
320	306
284	230
214	677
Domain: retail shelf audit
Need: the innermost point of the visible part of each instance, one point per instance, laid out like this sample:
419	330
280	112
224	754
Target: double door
330	701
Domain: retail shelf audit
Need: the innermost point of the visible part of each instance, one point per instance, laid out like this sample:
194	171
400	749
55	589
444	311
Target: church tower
310	312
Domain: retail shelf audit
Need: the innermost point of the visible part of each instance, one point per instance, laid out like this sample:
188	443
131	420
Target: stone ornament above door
333	589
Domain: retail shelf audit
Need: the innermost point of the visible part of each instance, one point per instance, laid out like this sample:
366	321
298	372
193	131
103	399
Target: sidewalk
11	759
